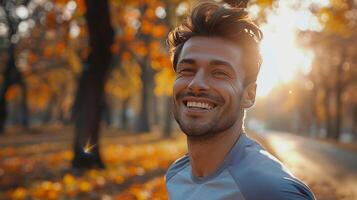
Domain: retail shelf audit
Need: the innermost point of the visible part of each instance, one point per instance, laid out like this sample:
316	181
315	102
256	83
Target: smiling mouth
199	105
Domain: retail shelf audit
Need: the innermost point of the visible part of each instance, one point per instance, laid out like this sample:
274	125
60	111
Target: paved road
317	162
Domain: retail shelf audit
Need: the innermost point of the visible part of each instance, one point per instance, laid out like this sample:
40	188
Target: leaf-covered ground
135	165
38	167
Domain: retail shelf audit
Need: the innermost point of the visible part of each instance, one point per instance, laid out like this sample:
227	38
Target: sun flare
282	56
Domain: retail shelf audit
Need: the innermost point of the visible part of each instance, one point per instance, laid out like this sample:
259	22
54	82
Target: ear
248	97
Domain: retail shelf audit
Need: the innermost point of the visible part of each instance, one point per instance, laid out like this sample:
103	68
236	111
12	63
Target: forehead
211	48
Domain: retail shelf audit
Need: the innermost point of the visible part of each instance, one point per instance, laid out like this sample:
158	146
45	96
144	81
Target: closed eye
220	73
186	71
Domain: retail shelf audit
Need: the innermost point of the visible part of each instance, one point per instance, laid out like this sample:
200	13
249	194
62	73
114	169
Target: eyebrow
187	60
213	62
221	62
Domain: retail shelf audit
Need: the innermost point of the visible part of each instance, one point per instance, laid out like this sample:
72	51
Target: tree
11	73
332	75
91	86
143	31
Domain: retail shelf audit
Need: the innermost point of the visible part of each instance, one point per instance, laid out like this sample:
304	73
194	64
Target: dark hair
213	19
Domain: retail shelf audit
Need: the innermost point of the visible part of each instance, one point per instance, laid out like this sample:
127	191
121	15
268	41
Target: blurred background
85	96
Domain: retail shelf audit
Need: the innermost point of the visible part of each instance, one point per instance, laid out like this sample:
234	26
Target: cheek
229	90
237	88
179	85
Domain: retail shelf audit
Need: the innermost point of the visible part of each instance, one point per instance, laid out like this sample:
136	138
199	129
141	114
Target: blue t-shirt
248	172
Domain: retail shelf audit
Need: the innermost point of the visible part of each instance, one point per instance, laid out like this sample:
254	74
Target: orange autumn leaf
51	20
19	193
115	48
159	31
85	186
154	46
32	58
60	48
126	56
150	14
47	52
146	27
13	92
60	2
81	7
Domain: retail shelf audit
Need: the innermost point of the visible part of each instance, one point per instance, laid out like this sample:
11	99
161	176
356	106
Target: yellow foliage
56	79
69	180
85	186
74	61
339	4
67	155
335	22
135	160
38	92
119	179
265	3
164	82
19	193
47	190
156	65
124	83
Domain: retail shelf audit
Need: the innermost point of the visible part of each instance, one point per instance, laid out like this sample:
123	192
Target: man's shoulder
259	175
177	166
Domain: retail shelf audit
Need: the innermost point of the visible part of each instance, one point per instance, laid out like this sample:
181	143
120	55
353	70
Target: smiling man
215	54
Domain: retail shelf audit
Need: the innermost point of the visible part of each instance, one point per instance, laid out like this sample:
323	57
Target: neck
207	155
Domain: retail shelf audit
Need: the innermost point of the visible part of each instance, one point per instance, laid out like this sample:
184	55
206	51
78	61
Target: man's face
208	87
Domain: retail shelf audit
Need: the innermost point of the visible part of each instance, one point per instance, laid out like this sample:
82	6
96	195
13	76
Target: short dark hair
213	19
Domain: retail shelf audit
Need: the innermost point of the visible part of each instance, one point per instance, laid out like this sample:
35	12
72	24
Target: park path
323	166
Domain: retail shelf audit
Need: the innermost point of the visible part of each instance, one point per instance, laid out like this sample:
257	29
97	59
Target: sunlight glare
282	57
88	148
22	12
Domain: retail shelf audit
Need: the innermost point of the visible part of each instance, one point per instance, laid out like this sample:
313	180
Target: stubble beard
207	131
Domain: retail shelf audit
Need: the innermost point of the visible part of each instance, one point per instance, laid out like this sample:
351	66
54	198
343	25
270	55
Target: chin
198	131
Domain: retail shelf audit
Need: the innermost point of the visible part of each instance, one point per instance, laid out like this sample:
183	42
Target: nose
199	82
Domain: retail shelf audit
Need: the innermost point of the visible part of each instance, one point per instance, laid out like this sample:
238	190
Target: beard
204	129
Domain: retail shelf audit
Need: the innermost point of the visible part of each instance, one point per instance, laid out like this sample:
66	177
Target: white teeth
198	105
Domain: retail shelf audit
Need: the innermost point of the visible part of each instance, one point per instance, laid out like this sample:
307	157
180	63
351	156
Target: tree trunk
48	113
155	109
107	114
338	117
168	117
91	87
328	117
12	76
314	115
335	134
24	108
11	73
142	122
124	115
354	122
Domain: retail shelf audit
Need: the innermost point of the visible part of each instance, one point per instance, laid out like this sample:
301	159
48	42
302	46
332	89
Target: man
215	54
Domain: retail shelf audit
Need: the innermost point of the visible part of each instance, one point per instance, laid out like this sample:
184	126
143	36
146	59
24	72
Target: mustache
206	95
